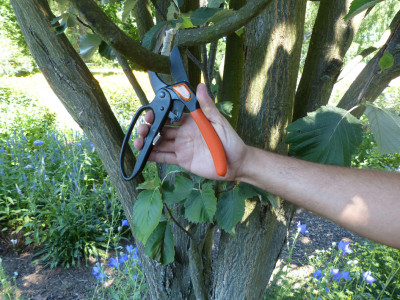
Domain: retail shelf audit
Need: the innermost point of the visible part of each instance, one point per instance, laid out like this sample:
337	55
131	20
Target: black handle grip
160	107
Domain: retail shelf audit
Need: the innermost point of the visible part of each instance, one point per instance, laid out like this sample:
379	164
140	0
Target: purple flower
125	223
345	275
302	228
113	262
38	143
318	274
345	247
98	273
368	278
336	274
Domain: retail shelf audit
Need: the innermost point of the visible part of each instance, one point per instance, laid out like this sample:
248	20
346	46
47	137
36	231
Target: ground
36	283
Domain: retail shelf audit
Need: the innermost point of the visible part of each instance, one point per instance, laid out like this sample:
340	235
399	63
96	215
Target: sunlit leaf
357	6
386	61
385	127
329	135
225	107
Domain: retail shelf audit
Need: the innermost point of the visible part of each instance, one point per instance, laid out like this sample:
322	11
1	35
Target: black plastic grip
160	107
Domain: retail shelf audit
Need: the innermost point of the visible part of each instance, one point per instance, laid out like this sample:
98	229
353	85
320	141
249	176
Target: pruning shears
169	103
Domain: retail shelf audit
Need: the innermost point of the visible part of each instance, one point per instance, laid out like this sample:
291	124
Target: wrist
246	168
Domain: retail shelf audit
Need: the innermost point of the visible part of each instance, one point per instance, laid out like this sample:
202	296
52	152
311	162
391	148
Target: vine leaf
329	135
160	245
201	205
88	45
146	213
357	6
230	209
385	127
386	61
183	187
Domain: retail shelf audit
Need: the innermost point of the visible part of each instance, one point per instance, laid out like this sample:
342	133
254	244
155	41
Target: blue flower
345	275
38	143
336	274
368	278
318	274
302	228
113	263
125	223
134	276
123	259
98	273
345	247
129	248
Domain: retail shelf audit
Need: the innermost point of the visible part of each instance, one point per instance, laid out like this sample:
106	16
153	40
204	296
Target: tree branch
191	37
119	40
330	40
132	79
372	81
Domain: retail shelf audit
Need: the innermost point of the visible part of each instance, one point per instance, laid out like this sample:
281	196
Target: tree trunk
243	263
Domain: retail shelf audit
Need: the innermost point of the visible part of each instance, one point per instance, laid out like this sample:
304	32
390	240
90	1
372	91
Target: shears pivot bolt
156	139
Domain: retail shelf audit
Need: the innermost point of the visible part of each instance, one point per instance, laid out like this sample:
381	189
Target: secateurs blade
169	103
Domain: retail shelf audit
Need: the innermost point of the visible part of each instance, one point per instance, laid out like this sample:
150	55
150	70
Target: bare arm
364	201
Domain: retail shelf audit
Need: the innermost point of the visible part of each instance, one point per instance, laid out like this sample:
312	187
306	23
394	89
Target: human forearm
364	201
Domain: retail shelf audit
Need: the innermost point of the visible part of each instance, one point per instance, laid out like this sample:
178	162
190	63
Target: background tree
263	46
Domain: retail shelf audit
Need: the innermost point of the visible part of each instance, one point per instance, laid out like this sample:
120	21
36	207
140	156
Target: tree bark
272	54
330	40
77	89
372	81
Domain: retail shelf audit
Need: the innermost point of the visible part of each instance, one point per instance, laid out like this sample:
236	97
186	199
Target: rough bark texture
272	53
372	81
77	89
330	40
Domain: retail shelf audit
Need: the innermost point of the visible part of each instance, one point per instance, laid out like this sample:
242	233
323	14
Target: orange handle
213	142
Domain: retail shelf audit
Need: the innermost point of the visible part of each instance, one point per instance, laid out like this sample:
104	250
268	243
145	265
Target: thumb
207	104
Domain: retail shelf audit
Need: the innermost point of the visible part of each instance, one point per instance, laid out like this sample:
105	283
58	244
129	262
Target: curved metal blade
156	82
177	68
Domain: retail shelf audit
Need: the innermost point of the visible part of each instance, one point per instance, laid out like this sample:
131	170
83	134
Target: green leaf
88	45
150	36
147	213
183	187
202	15
386	61
214	3
386	129
200	206
160	245
357	6
225	107
230	209
249	191
129	5
106	51
173	12
150	184
329	135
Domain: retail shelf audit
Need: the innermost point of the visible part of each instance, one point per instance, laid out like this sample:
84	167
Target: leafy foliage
160	245
329	135
385	127
357	6
386	61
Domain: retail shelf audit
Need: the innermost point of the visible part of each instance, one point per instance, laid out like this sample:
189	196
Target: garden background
63	233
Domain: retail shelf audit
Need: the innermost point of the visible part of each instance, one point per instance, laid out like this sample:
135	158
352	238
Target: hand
184	145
